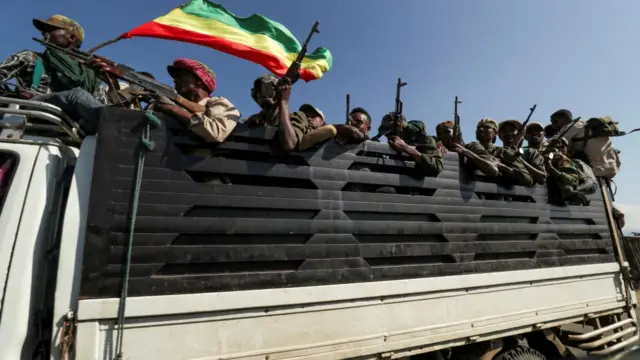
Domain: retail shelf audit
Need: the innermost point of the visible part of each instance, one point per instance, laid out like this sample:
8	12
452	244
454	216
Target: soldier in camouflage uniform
496	162
445	135
509	134
564	174
296	131
414	141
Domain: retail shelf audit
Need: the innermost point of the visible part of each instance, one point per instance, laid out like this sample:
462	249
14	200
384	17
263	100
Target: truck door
16	164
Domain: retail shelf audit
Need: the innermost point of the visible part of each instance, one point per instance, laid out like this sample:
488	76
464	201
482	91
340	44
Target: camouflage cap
447	124
515	123
489	122
416	126
60	22
534	125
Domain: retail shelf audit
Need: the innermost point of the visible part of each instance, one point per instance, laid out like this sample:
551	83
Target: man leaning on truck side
196	82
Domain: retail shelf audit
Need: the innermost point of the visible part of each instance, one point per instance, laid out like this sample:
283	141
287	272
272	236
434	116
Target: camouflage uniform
567	180
415	134
508	157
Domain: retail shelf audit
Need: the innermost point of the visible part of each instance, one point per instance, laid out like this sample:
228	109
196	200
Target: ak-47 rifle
131	76
394	127
457	137
348	109
521	131
293	72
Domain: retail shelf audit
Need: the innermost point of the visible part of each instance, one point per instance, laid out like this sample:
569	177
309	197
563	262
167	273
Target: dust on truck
241	254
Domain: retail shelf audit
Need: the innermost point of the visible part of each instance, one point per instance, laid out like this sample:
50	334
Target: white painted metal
39	169
343	321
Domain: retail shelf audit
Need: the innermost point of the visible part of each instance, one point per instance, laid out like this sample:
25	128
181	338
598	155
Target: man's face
315	120
485	132
361	122
534	135
61	37
186	83
445	134
508	134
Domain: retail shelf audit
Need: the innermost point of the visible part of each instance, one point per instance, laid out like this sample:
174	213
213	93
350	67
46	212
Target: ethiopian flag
254	38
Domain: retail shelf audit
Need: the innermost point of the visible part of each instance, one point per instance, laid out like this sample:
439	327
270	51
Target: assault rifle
131	76
457	137
395	126
293	72
521	131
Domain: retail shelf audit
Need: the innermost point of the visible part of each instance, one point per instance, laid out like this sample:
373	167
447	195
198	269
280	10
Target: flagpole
103	44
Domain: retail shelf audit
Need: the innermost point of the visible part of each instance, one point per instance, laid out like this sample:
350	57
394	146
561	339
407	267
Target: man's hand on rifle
100	65
284	90
397	144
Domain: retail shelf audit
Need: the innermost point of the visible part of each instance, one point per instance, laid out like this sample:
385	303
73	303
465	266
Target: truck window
8	163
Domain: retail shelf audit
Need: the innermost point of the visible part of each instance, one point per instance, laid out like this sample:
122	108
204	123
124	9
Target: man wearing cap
597	151
565	176
414	141
212	118
56	78
302	129
532	153
445	133
492	160
509	134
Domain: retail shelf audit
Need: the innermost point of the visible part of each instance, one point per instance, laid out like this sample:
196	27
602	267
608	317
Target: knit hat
202	71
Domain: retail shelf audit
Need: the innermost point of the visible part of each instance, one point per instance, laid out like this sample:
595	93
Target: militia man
445	132
564	174
500	163
414	141
357	128
212	118
509	134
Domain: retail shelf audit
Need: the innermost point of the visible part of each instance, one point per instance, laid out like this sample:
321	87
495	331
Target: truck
143	242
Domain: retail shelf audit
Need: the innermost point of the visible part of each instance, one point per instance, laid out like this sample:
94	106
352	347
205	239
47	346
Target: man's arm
11	67
214	125
488	167
565	172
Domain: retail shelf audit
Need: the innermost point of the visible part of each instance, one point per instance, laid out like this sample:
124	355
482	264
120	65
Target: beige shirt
218	120
604	160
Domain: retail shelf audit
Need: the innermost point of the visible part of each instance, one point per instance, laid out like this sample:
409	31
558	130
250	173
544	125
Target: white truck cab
209	284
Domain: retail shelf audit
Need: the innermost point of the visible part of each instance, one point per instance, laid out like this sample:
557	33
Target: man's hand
100	65
457	148
397	144
443	149
284	90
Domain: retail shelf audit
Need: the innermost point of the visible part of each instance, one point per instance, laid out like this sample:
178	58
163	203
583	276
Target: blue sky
499	56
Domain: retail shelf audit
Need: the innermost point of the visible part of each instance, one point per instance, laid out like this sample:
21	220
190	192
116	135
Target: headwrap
202	71
60	22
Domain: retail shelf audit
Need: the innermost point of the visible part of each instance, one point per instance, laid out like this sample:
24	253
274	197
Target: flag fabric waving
254	38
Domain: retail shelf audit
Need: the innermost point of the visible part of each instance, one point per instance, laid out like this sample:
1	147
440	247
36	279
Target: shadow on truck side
236	217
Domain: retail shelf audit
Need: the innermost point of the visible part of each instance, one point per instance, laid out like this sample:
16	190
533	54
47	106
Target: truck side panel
242	219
